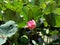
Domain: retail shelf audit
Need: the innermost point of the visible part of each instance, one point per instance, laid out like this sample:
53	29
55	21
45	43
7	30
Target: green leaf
57	2
37	12
50	7
1	1
12	15
57	18
30	14
57	11
22	24
54	32
50	18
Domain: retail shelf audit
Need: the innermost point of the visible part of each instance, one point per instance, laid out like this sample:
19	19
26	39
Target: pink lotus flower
31	24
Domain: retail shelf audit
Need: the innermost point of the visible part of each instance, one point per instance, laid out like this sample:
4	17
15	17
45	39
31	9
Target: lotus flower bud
31	24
